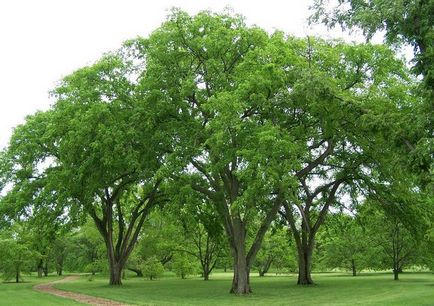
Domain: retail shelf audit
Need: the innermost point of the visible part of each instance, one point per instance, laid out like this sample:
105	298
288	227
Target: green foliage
402	22
95	266
276	253
152	268
393	245
85	249
16	254
344	243
184	266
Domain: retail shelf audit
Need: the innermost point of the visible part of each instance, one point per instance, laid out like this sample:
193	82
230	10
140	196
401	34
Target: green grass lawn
12	294
331	289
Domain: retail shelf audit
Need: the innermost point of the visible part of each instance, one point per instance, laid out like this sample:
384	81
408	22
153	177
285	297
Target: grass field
21	294
331	289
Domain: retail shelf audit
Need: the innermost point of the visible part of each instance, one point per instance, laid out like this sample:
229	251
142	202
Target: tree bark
40	268
241	279
305	267
17	275
115	273
46	269
395	274
353	267
205	271
264	269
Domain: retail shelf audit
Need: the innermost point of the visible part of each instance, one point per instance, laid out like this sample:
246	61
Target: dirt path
82	298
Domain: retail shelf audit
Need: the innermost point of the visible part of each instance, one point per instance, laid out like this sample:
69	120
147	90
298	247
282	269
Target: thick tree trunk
241	279
17	276
205	272
115	273
60	271
395	274
353	267
305	266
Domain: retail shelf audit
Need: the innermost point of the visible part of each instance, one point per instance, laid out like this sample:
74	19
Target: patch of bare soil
82	298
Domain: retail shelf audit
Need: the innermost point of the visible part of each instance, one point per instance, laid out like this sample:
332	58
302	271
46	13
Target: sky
43	41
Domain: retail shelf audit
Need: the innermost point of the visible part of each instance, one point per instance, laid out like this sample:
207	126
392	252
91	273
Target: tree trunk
205	272
305	266
395	274
60	271
17	276
115	274
40	268
353	267
265	267
46	269
241	279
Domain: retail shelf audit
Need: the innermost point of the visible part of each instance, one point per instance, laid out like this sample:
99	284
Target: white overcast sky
45	40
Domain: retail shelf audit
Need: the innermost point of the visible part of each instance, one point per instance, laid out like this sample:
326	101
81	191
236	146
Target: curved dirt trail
82	298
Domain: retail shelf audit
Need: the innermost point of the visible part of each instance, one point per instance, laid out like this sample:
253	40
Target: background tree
345	243
396	246
275	251
16	253
86	251
202	231
152	268
161	239
184	265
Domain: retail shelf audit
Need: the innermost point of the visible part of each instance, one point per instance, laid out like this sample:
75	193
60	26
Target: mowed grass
331	289
12	294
